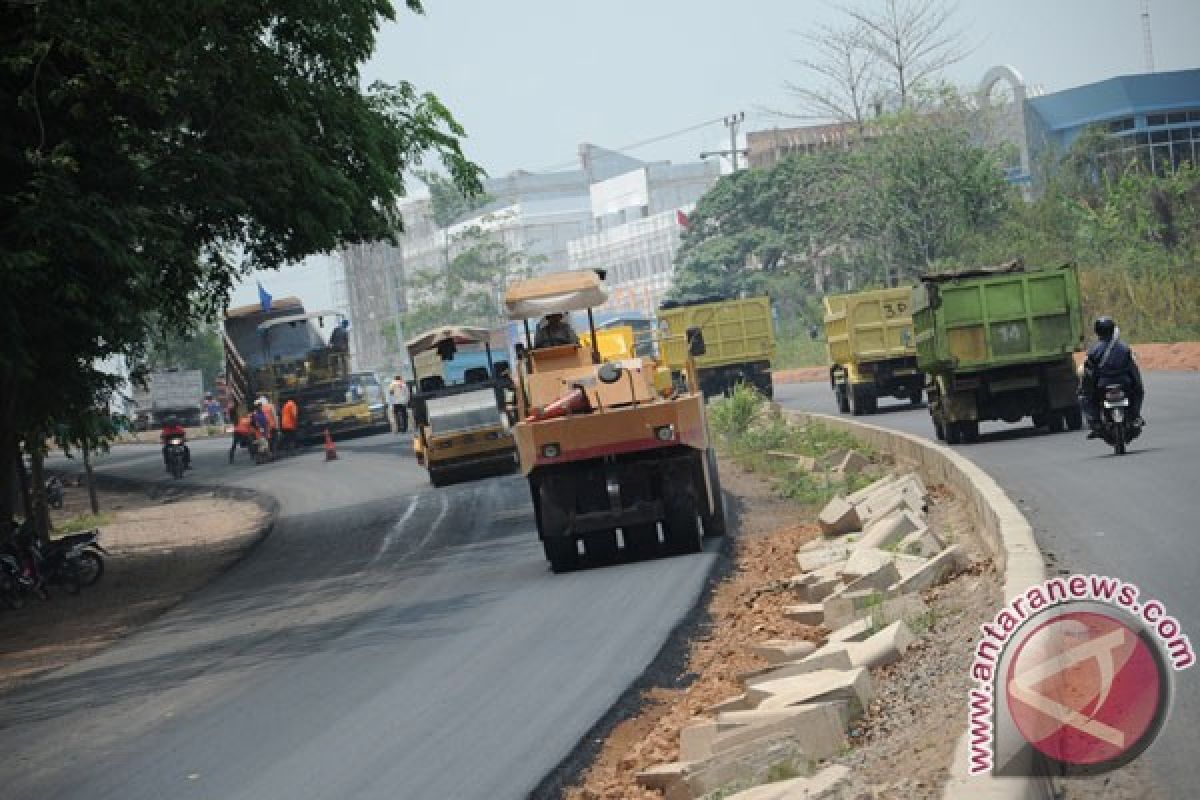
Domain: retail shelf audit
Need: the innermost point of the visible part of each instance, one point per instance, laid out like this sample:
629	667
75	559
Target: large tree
153	152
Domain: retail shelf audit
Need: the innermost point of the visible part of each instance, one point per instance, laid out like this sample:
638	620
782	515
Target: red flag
682	218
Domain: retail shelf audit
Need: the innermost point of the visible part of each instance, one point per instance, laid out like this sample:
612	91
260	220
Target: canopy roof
294	318
573	290
461	334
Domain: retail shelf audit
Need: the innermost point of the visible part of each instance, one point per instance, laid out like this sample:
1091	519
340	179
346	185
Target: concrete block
817	727
878	579
864	561
852	463
908	565
696	740
831	553
825	785
881	485
748	763
842	608
735	703
885	647
806	614
853	686
921	542
877	508
854	632
778	651
662	776
834	656
942	567
884	532
839	517
815	586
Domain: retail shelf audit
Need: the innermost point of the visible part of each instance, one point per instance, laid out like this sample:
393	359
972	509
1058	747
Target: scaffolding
372	288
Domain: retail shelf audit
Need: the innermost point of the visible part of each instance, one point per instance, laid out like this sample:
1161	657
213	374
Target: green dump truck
739	336
871	349
996	344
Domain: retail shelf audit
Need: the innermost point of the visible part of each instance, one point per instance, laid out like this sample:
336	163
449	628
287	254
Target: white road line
386	544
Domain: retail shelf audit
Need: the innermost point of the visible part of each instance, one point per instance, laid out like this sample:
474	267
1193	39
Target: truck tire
862	400
1074	419
714	523
843	398
954	433
1057	422
601	547
681	528
939	431
562	554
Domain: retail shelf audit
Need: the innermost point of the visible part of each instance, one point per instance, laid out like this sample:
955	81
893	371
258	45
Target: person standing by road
290	425
268	409
398	396
243	432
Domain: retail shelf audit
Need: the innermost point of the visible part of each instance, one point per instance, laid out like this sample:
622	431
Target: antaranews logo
1077	670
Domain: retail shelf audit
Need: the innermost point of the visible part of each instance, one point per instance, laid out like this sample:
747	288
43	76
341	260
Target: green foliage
151	153
468	291
199	349
449	202
85	522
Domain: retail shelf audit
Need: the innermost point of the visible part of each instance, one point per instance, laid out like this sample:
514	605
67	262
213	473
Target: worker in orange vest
243	432
290	425
268	408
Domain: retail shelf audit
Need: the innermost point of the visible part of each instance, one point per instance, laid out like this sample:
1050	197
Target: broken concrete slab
806	613
817	727
735	703
777	651
921	542
817	591
865	561
833	656
831	553
942	567
889	530
824	784
854	632
853	686
878	579
748	763
852	463
875	607
806	463
839	517
842	608
881	485
662	776
696	740
885	647
877	508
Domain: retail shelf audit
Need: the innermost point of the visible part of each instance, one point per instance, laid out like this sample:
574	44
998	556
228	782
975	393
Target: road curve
1134	517
386	641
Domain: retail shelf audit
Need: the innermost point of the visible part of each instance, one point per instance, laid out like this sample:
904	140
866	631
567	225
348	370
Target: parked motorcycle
15	584
55	564
1116	427
85	550
176	456
54	491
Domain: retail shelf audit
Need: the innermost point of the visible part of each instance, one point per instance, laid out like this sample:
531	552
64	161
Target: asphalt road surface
387	640
1136	517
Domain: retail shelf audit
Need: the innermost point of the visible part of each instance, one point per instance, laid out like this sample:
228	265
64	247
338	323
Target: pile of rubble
862	581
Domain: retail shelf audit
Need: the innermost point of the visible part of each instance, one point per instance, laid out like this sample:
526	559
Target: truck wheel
970	431
641	541
1039	421
601	547
1057	422
714	523
1074	419
843	398
681	526
954	433
562	553
939	431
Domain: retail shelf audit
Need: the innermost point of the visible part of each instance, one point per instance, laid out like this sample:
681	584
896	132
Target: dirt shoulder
902	748
162	547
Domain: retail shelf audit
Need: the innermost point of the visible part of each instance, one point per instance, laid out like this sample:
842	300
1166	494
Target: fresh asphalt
386	640
1135	517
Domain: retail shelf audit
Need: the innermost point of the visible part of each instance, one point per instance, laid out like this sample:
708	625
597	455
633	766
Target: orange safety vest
272	420
245	425
291	415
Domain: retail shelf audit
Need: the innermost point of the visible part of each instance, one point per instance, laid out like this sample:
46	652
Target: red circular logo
1085	688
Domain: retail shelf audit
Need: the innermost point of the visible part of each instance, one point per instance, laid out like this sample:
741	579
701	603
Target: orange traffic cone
330	450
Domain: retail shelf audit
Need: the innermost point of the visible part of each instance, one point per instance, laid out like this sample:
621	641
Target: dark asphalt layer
1136	517
387	640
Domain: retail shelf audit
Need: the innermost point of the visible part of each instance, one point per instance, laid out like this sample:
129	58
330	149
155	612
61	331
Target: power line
652	140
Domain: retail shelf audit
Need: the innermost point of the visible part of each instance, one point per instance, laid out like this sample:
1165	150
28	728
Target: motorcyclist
171	429
1110	361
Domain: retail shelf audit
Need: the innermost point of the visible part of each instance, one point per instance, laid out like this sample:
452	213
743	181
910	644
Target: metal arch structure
1015	130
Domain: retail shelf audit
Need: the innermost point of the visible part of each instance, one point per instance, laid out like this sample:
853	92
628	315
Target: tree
198	349
913	41
448	201
154	152
468	290
844	76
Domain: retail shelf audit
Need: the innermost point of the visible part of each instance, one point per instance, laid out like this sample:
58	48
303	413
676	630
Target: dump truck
739	337
872	352
282	354
617	456
996	343
170	393
461	427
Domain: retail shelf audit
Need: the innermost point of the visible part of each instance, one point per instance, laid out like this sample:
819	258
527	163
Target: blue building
1154	117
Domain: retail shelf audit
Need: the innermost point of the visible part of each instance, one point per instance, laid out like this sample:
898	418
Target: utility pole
1147	43
733	122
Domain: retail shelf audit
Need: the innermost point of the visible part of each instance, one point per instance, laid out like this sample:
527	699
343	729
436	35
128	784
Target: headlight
665	433
551	450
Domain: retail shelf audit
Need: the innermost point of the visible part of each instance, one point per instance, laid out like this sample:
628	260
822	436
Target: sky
532	79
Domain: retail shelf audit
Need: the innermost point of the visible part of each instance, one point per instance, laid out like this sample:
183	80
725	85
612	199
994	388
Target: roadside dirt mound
1169	356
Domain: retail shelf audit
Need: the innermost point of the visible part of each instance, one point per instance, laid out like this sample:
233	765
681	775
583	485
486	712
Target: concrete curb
1004	531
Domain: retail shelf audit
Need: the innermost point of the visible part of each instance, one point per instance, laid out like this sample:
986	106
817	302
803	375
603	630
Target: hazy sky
532	79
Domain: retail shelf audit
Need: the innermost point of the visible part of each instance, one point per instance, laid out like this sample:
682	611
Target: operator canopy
292	319
459	334
556	293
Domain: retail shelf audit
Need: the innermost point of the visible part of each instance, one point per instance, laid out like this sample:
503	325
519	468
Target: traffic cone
330	450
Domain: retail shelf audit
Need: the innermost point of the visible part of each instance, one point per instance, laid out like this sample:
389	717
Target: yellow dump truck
617	456
872	350
739	336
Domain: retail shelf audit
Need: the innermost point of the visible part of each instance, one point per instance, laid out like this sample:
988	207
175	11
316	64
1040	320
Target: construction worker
290	425
243	431
272	422
398	397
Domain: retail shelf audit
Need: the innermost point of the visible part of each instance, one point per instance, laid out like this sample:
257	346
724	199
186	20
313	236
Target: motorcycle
176	456
15	583
1116	428
84	549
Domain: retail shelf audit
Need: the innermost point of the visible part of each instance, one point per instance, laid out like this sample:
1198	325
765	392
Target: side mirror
695	340
609	372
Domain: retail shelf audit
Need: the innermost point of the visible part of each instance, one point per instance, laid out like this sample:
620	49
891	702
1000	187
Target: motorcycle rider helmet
1104	327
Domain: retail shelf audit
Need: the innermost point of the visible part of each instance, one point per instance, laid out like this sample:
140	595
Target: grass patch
798	350
784	771
749	430
85	522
